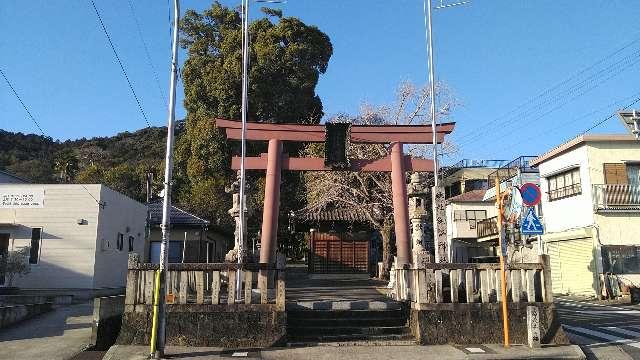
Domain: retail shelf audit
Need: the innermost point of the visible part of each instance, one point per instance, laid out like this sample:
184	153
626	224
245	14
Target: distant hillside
119	161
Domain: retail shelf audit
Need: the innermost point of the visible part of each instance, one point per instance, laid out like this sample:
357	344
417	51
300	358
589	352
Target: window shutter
615	173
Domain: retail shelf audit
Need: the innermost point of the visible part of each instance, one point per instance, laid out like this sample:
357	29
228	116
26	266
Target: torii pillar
269	234
400	204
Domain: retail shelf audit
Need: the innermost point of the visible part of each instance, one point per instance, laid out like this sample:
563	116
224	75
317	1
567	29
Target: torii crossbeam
275	161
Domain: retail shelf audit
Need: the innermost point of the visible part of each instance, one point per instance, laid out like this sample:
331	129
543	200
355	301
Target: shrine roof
315	215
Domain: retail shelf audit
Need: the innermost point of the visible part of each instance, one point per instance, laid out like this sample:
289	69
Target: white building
591	205
464	212
79	235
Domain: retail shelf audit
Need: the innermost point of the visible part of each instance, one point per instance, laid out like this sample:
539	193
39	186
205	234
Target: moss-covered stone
481	324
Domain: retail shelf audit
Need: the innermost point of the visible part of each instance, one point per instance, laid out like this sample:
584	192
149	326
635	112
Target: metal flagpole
245	100
427	10
168	172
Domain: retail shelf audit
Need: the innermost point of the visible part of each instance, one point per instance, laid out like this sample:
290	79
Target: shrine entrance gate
275	161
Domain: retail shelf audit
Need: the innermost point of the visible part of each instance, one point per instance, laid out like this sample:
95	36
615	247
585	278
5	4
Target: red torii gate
275	161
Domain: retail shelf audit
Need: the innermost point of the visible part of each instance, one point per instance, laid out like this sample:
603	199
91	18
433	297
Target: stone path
56	335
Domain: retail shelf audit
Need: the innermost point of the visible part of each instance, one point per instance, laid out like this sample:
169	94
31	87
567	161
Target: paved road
56	335
602	331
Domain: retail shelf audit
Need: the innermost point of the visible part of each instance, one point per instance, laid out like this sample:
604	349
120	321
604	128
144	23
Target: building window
175	251
564	184
621	259
120	242
131	241
34	252
473	216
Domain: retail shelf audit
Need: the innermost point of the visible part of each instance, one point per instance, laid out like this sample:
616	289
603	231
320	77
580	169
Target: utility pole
245	103
503	276
166	206
432	83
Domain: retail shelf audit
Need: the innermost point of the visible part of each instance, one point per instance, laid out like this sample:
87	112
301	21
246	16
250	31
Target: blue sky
496	56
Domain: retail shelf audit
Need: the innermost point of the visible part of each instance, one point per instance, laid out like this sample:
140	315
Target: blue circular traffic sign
530	194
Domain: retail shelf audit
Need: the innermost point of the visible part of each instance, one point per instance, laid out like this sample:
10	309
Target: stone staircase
372	326
343	309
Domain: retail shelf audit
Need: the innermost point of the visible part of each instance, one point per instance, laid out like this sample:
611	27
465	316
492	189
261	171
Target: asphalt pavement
602	331
57	335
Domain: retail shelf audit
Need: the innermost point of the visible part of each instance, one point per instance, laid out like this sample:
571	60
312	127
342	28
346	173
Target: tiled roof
349	215
469	196
178	216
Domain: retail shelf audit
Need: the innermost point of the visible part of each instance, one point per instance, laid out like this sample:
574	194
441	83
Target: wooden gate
338	253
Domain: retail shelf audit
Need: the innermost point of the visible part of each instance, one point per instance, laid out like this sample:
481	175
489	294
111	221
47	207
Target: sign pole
503	277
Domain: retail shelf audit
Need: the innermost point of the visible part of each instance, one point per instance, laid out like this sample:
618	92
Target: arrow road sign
531	224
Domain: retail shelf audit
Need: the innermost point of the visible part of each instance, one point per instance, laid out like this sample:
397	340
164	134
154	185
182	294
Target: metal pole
245	103
503	276
428	24
168	172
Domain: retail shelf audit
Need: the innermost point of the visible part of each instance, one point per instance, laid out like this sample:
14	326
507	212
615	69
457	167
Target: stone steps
337	305
312	331
359	322
343	327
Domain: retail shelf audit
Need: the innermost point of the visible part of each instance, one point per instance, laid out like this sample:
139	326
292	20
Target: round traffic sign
530	194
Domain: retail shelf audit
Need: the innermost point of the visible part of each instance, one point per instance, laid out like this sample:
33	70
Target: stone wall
481	323
11	314
107	318
246	326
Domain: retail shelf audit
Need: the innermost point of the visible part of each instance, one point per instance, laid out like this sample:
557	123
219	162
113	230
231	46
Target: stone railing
207	284
473	283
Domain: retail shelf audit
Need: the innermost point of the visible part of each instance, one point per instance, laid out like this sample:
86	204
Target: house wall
461	229
571	212
614	228
67	249
120	214
195	250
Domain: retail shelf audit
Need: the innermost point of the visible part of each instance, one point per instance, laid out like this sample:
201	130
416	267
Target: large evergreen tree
286	60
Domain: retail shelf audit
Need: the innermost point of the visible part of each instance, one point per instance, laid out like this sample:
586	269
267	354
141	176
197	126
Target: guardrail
204	284
473	283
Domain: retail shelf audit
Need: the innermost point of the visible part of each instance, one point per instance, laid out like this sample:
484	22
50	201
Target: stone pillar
439	225
400	204
269	234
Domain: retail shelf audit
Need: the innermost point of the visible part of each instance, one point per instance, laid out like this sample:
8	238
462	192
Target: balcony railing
488	230
488	227
616	197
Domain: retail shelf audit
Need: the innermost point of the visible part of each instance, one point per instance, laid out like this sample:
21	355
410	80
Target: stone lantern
421	234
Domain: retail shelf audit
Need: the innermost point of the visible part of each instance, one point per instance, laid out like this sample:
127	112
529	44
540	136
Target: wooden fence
203	284
473	283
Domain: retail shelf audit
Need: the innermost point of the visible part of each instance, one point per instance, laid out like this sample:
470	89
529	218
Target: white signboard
20	198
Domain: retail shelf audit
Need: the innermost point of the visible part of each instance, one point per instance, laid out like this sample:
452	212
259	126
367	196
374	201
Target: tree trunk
387	251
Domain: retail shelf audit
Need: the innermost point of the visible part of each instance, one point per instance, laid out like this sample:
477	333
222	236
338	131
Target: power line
611	116
542	95
591	82
146	51
124	72
38	125
546	131
21	102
